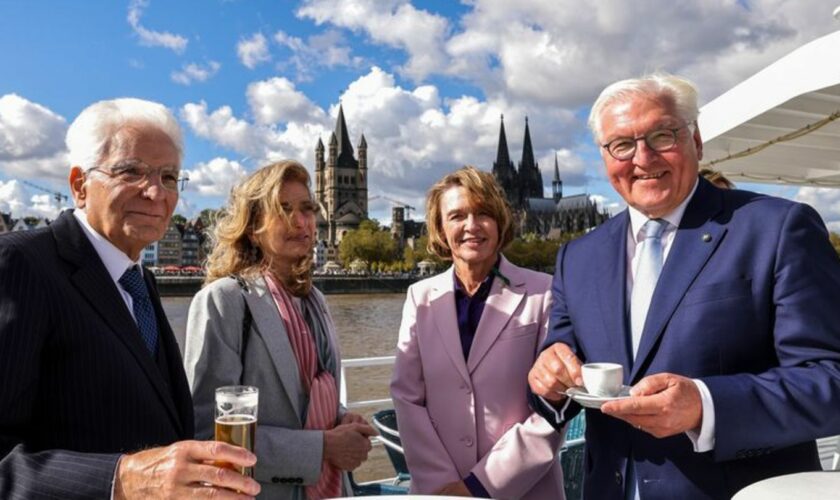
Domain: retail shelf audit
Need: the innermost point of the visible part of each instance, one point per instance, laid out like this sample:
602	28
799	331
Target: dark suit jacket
77	385
747	302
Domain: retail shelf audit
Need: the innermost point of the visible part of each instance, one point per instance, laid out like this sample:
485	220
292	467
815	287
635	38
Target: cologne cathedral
546	217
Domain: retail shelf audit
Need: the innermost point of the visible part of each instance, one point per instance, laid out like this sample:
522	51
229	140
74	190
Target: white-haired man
94	402
720	305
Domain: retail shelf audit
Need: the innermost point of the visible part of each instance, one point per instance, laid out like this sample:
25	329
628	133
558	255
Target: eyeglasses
133	172
660	140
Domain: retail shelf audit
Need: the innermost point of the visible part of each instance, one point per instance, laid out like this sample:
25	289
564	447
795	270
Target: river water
367	326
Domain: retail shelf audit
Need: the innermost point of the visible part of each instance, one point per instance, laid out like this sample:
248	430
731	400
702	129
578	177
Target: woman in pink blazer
467	340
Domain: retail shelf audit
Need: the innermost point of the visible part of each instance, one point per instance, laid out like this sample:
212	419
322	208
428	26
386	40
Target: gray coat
288	457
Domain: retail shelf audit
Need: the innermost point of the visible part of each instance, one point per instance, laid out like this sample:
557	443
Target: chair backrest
386	422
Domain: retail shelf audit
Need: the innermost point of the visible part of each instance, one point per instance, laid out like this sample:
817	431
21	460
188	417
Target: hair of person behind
253	204
89	137
716	178
485	195
653	86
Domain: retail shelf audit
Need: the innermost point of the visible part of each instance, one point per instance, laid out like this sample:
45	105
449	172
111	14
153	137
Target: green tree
534	253
835	242
413	256
179	219
208	216
368	243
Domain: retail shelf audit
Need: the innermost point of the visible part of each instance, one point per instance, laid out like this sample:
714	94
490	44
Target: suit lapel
179	393
95	284
498	309
272	331
612	289
689	252
442	305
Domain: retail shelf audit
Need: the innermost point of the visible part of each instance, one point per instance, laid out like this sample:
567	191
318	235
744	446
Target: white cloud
276	100
260	143
414	136
31	139
826	201
327	49
216	177
195	72
15	199
253	51
395	23
171	41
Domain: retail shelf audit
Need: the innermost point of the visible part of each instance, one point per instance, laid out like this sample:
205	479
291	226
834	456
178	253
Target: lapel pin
707	237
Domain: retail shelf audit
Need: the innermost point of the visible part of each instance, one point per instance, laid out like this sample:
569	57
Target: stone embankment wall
186	286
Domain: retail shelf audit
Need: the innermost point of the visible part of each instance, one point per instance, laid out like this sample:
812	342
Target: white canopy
782	125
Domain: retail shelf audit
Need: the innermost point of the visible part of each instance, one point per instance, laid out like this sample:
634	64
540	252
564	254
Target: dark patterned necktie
144	313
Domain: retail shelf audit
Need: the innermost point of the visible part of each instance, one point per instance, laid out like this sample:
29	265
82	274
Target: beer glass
236	419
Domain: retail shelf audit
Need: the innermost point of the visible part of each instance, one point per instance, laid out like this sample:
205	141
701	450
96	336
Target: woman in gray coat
259	321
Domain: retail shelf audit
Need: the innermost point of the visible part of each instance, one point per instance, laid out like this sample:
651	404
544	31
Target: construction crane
57	196
398	203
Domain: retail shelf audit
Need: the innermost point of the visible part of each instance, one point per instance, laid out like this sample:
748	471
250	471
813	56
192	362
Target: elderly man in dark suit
94	402
720	304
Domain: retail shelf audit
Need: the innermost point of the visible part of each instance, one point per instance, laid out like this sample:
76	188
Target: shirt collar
674	217
115	260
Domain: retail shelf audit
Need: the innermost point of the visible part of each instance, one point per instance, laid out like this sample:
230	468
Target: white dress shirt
703	439
115	260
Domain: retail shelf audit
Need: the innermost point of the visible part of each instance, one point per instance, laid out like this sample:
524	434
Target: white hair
89	136
654	86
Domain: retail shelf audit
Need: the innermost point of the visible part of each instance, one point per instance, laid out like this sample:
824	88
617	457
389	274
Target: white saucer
587	400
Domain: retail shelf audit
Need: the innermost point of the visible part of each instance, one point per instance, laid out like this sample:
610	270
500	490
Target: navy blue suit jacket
77	385
747	302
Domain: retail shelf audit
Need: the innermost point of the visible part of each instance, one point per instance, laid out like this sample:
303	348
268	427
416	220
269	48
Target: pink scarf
323	393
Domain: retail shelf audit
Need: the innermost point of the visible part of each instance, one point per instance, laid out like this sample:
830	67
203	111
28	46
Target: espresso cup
603	379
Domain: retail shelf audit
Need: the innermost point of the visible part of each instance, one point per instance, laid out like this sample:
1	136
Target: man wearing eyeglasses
721	306
94	401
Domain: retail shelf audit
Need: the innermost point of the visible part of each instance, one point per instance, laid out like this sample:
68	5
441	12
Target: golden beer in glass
236	419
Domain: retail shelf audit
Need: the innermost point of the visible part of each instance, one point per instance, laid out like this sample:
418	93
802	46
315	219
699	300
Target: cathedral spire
556	184
345	147
527	149
502	162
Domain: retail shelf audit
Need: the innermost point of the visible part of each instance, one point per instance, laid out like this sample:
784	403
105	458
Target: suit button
275	479
468	441
617	477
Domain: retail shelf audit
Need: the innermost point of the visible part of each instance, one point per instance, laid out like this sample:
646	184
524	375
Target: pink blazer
457	417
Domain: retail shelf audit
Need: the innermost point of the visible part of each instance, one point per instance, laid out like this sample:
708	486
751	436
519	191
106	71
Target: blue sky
257	80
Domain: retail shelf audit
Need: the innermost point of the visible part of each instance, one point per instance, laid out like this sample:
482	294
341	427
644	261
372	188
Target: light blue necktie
644	283
144	313
647	274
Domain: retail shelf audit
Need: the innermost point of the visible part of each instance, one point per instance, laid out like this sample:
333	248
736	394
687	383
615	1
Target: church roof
541	204
344	146
574	201
349	219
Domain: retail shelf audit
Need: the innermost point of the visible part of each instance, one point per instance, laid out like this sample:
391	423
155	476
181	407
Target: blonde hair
253	204
484	193
680	91
716	178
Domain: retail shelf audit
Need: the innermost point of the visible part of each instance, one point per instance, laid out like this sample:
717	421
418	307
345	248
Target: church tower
556	184
340	184
504	170
530	178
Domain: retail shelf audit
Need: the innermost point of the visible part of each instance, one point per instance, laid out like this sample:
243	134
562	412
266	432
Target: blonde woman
467	340
259	321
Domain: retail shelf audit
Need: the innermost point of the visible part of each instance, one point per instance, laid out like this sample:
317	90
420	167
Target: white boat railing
829	447
361	363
